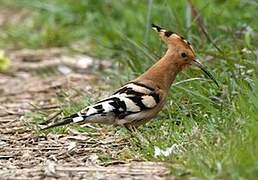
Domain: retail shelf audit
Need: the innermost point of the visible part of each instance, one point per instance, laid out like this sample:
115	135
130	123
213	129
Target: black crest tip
160	29
156	28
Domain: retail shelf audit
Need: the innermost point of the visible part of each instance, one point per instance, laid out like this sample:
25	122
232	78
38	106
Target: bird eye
183	55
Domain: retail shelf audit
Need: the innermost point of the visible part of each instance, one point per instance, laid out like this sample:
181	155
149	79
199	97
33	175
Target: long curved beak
203	68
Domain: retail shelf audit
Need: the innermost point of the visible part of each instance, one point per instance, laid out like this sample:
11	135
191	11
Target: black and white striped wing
130	99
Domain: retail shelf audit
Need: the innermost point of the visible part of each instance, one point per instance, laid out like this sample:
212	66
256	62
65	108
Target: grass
215	129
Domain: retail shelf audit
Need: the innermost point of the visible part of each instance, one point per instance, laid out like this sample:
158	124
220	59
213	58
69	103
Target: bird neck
163	72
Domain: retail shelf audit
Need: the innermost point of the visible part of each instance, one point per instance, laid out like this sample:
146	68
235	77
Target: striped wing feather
129	99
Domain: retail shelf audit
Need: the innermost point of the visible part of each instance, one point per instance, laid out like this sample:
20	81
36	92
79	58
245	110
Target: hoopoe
141	99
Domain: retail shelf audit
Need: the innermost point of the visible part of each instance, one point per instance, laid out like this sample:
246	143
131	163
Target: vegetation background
214	130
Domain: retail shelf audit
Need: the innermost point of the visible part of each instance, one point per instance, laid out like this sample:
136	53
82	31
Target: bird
141	99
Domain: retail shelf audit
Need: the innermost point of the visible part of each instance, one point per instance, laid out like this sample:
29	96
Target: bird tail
67	120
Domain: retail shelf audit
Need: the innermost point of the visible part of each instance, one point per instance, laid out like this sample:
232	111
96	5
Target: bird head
182	50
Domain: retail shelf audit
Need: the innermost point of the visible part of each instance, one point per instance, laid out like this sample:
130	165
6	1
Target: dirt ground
26	155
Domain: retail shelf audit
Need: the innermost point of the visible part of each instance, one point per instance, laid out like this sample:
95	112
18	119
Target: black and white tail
67	120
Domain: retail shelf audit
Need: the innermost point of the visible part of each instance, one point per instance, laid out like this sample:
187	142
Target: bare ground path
26	155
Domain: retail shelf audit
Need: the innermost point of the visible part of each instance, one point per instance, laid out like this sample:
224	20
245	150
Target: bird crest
166	34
